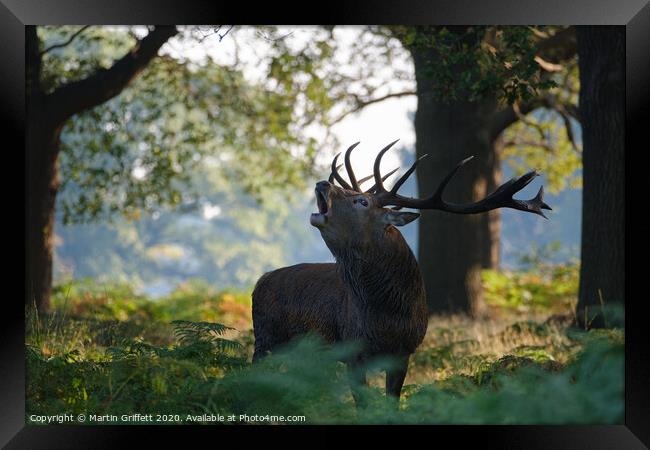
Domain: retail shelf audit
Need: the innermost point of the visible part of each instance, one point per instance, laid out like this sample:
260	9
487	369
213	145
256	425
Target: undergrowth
108	352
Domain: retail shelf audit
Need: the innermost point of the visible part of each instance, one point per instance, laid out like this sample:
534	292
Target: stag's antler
356	185
500	198
335	174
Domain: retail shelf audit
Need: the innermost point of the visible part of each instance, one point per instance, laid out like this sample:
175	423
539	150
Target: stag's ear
399	218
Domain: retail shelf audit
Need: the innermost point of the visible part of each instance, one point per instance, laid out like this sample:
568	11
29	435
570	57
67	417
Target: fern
187	331
195	332
199	342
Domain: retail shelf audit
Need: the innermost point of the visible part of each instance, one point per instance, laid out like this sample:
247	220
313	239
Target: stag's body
374	293
374	296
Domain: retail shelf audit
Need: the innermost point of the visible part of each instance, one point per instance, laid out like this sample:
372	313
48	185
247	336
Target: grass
109	352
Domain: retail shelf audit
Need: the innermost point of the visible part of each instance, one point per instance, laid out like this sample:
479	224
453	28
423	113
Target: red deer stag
374	293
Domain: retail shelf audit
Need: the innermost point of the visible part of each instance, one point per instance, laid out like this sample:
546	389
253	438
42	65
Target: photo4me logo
270	418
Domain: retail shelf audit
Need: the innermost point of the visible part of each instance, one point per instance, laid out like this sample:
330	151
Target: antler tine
364	179
500	198
407	174
441	187
433	202
335	174
331	178
384	178
379	185
348	167
536	204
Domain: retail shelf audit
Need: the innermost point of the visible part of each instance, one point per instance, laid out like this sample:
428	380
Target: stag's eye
360	201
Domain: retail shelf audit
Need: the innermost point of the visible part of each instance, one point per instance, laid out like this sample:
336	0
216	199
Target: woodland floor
109	352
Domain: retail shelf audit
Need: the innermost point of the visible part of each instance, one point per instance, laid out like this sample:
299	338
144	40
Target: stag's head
349	216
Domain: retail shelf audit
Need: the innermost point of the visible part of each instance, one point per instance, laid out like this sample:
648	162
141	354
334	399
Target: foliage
499	63
167	145
541	142
548	287
500	371
129	376
137	152
194	301
550	137
540	285
93	48
479	62
528	394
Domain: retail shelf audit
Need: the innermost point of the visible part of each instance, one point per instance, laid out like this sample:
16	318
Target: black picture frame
633	14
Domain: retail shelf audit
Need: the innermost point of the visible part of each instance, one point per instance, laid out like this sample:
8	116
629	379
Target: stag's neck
382	276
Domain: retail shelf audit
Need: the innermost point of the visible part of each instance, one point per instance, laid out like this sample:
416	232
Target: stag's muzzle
322	191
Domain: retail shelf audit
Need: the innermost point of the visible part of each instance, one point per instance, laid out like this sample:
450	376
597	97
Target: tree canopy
135	152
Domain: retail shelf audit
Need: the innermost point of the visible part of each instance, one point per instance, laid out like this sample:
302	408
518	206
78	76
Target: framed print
379	214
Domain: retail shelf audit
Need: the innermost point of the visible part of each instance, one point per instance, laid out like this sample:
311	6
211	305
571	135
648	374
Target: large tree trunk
452	249
42	150
41	146
491	226
601	57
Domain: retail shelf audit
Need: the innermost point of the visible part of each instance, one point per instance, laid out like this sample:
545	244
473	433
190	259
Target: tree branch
68	42
542	145
551	51
567	126
511	114
559	47
363	103
32	62
548	66
522	117
221	36
104	84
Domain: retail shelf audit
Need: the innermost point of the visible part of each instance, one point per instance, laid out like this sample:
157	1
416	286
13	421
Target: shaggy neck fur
381	276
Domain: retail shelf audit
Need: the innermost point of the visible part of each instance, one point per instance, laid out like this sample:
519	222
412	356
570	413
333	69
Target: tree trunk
492	220
601	57
42	151
452	249
41	146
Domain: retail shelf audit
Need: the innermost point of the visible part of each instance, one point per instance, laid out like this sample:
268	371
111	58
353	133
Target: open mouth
319	219
321	201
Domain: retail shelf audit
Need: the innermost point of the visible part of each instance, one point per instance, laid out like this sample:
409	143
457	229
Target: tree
47	112
601	55
124	145
472	84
